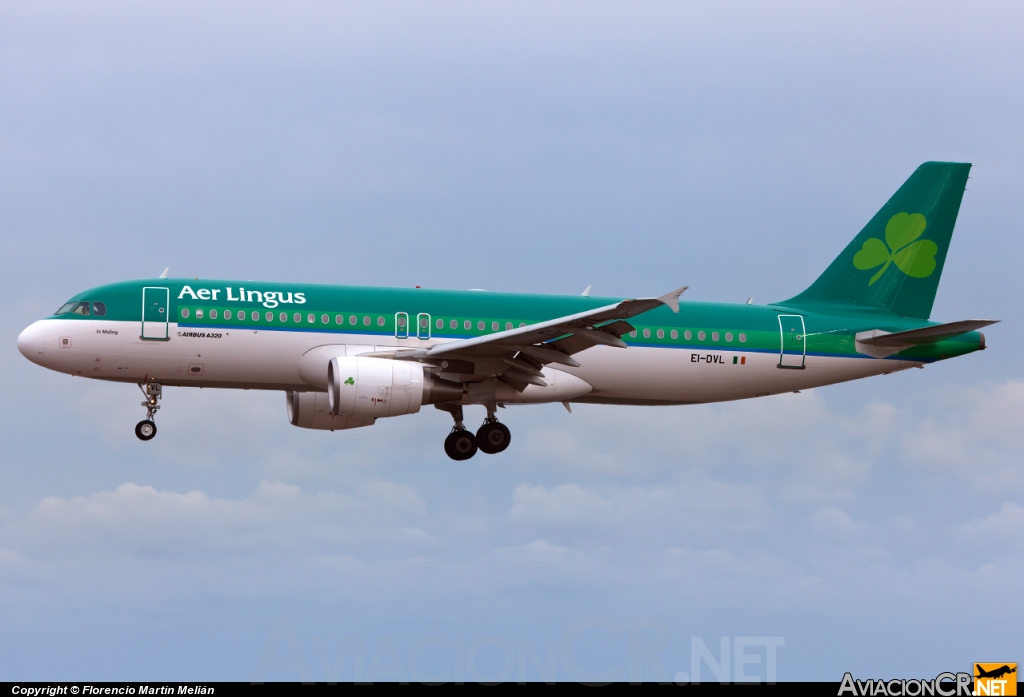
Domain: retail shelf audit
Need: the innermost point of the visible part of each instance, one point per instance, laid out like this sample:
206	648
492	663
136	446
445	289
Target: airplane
995	673
345	356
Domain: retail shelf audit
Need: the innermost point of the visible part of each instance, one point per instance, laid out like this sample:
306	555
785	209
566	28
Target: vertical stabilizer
896	261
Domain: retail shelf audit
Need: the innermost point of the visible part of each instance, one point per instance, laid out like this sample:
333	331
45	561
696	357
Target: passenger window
661	333
81	309
298	317
241	314
633	333
440	324
213	314
184	312
270	316
687	335
674	334
366	320
714	336
352	319
199	314
227	314
728	336
338	319
380	321
467	324
284	316
494	326
743	338
324	319
480	325
65	308
523	324
454	324
647	333
508	325
99	309
701	335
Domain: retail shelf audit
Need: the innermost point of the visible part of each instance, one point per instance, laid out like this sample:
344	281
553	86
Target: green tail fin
896	260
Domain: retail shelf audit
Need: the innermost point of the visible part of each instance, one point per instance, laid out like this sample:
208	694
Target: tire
145	430
493	437
460	445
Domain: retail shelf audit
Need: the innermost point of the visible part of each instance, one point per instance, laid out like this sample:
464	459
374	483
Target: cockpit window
98	309
81	309
65	308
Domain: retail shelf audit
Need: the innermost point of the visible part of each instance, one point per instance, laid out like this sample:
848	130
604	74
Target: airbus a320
346	356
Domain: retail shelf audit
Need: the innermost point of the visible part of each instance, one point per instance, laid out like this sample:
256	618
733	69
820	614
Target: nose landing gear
146	429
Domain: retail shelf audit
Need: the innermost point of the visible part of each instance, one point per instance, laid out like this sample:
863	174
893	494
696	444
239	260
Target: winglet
586	293
164	274
672	299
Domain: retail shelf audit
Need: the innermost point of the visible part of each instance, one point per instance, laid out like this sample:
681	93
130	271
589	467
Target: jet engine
313	410
372	388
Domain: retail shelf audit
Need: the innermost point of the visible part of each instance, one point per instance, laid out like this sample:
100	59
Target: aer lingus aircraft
346	356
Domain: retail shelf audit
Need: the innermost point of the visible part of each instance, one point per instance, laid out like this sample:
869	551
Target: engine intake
378	387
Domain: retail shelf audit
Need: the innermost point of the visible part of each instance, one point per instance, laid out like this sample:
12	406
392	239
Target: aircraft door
401	325
794	341
423	326
155	311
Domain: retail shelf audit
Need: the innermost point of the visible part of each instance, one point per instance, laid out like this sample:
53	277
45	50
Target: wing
517	355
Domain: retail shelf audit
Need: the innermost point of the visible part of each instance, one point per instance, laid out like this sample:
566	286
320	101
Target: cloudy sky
541	147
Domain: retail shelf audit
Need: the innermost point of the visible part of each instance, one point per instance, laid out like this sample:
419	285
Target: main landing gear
491	438
146	429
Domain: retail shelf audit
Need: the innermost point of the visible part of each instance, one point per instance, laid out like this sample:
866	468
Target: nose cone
30	342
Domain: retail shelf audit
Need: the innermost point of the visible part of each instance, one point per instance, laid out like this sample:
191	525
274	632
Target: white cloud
775	522
999	534
834	522
975	434
277	520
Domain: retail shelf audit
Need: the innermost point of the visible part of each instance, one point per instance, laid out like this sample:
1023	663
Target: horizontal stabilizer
928	335
880	344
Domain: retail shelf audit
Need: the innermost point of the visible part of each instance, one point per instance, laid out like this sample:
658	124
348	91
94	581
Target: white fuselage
272	360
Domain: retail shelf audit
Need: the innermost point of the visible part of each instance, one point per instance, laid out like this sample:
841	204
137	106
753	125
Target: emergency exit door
155	308
423	326
401	325
794	341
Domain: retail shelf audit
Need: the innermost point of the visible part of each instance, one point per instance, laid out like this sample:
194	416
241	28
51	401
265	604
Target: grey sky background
537	147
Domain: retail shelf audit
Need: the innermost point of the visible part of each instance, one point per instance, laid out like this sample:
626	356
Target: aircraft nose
30	341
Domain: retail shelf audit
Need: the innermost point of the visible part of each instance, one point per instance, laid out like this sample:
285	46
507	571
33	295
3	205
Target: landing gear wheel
145	430
460	445
493	437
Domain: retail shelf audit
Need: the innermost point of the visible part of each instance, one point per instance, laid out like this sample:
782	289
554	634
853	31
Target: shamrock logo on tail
916	259
350	381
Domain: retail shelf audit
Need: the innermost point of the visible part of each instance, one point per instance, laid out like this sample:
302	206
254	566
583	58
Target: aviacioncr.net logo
914	258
